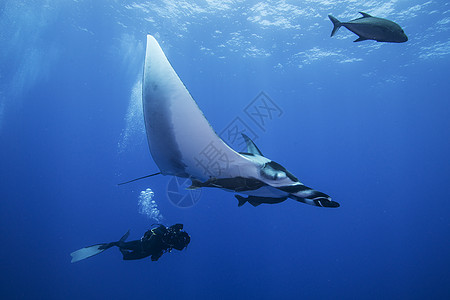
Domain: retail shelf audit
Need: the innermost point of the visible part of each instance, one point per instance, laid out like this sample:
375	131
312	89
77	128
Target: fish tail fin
336	23
241	200
250	199
90	251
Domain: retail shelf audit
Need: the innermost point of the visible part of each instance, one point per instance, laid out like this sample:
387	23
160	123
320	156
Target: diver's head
181	240
177	227
174	238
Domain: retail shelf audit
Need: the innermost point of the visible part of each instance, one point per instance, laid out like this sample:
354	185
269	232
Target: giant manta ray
183	144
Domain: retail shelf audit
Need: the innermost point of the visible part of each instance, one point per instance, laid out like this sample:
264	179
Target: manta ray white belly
183	144
181	141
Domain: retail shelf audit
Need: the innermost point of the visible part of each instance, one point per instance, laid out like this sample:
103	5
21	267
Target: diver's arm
155	257
127	255
131	245
160	230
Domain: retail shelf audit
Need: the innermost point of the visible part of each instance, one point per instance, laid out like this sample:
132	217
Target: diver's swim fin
87	252
125	236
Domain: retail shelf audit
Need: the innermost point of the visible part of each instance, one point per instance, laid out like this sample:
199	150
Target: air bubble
148	206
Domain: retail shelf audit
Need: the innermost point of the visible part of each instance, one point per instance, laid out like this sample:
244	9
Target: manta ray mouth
326	203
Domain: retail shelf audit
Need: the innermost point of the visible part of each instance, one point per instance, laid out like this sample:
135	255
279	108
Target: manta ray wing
181	141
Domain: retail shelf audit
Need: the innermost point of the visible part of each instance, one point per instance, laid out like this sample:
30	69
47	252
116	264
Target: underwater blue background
367	123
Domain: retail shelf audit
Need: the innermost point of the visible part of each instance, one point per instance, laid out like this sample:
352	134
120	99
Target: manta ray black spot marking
294	188
278	167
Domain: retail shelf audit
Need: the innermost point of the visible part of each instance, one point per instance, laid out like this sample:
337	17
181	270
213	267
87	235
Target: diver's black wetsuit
154	243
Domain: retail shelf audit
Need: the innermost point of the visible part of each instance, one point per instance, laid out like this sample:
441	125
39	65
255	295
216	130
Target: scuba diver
154	243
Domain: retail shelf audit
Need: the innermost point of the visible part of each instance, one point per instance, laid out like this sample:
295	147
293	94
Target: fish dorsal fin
251	147
365	15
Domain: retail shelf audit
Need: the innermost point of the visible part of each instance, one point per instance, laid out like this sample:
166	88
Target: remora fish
371	28
183	144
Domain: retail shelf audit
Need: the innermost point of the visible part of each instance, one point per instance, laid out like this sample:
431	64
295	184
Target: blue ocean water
367	123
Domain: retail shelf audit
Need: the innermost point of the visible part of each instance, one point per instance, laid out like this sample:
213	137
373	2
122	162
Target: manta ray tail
90	251
147	176
336	23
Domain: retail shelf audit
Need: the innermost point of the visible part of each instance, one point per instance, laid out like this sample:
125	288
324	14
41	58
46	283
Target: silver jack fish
371	28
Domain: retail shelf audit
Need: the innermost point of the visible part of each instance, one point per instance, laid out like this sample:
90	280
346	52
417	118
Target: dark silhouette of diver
154	243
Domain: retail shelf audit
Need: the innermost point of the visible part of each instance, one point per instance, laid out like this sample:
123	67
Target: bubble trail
148	206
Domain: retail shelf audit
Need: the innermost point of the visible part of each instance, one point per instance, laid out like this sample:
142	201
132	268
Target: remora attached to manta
183	144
